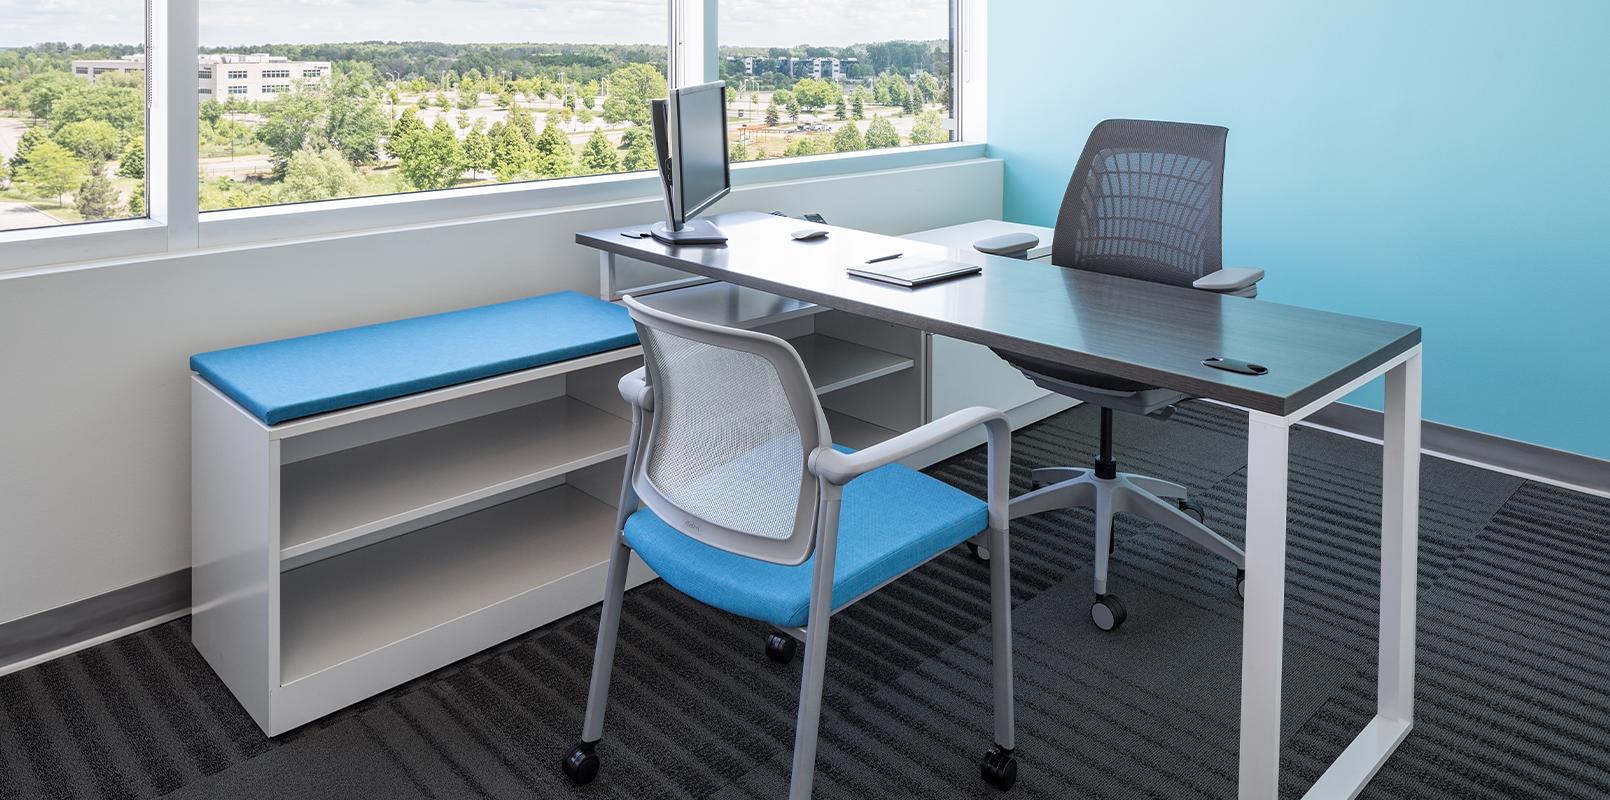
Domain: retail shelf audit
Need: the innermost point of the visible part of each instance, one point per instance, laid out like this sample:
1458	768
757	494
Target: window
883	81
204	73
237	90
423	98
237	74
72	135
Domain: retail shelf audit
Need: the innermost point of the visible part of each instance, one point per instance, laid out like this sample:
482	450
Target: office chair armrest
1011	245
634	389
841	468
1239	281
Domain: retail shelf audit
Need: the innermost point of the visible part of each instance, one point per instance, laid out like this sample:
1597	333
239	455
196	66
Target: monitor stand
699	231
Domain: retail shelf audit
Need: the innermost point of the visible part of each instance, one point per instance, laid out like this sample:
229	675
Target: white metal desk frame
1264	612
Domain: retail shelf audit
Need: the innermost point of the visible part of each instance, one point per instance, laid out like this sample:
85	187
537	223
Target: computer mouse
807	234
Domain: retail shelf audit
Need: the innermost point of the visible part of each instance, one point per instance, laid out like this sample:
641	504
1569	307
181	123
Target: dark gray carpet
1512	676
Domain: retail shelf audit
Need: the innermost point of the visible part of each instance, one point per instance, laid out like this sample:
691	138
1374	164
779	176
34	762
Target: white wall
95	444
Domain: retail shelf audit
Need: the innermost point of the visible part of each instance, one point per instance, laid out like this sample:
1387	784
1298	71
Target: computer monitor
690	141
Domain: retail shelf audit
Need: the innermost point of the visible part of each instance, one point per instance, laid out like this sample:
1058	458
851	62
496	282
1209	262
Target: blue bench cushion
293	378
892	519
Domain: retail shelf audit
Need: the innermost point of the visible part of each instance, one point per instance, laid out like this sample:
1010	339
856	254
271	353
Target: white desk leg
1264	610
1400	540
606	276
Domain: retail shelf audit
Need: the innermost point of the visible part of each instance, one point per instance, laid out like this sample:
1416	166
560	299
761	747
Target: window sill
61	247
246	226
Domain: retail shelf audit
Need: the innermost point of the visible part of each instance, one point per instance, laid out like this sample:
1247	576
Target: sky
746	23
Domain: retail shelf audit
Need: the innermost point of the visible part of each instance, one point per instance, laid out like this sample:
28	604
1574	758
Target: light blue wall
1443	164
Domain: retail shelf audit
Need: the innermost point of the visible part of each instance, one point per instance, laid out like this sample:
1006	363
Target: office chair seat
893	519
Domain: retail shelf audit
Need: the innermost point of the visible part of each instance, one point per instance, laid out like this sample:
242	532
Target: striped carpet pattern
1512	693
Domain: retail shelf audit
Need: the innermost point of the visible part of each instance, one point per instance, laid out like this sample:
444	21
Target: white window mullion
171	190
970	64
693	49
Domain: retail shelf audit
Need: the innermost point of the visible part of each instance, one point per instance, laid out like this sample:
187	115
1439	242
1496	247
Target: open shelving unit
339	555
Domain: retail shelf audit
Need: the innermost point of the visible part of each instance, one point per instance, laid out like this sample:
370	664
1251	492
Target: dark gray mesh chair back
1144	202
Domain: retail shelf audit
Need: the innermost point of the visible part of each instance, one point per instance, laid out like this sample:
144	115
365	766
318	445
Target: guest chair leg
815	667
999	767
581	762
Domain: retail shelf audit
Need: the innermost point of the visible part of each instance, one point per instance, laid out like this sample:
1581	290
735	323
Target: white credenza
339	555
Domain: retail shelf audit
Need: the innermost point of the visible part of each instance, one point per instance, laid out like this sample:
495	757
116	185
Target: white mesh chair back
725	454
1144	202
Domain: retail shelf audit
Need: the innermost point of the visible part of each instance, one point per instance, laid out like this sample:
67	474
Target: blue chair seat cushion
292	378
891	519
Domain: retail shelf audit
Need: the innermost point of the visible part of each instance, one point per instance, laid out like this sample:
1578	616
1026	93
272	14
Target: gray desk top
1133	329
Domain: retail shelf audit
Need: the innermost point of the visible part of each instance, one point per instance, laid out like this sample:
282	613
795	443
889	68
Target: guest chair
1144	203
751	508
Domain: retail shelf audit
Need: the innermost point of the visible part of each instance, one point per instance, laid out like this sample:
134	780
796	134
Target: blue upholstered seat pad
293	378
892	519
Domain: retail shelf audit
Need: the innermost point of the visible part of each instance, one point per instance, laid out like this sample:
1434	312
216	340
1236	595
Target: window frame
175	224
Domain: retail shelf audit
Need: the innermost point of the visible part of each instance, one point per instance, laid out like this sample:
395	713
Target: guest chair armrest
634	389
1239	281
841	468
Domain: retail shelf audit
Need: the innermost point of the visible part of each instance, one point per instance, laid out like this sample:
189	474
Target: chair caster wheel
1241	583
581	763
998	768
1192	509
980	553
1108	612
780	647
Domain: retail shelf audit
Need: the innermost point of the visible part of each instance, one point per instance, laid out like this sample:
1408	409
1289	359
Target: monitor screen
701	145
690	139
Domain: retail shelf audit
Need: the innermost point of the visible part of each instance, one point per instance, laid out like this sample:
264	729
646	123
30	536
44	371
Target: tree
468	98
291	124
812	94
584	115
355	121
848	138
31	138
477	150
511	153
51	169
738	153
321	174
843	110
505	98
929	88
96	198
928	129
132	164
598	156
881	133
771	114
908	104
212	111
407	125
641	154
137	200
858	101
809	146
432	159
552	155
630	89
793	110
93	140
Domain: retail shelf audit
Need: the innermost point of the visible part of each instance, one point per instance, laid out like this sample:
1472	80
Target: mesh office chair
751	509
1143	203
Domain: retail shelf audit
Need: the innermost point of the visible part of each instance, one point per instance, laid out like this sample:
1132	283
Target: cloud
752	23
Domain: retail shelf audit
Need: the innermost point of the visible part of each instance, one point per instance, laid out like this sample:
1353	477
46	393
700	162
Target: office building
254	76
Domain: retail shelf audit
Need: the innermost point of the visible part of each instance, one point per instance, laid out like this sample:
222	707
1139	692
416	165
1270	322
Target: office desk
1159	335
